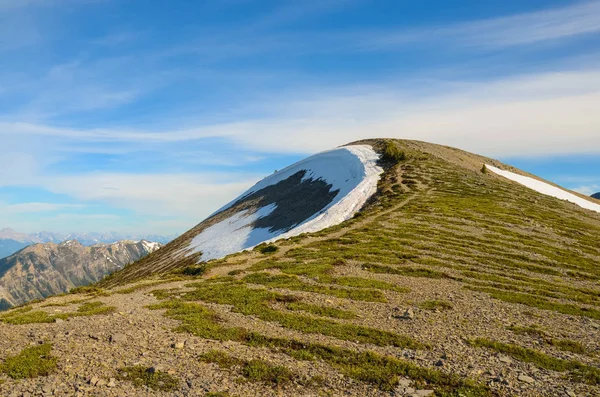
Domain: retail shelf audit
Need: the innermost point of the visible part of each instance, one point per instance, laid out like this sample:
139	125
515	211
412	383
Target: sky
146	116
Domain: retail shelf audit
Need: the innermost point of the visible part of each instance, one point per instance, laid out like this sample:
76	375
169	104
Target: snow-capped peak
318	192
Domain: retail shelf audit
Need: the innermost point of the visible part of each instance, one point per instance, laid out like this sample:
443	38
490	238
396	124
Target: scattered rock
526	379
117	338
409	314
423	393
178	345
505	359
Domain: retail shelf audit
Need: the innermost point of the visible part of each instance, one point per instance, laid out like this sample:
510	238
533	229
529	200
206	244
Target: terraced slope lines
450	281
318	192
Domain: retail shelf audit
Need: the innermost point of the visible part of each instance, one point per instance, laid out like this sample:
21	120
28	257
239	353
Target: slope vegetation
451	280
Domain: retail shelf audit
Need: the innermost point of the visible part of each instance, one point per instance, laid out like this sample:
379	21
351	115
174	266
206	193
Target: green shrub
266	248
195	270
30	363
392	152
149	377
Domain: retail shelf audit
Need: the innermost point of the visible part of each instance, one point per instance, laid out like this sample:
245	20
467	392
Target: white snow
545	188
352	170
150	247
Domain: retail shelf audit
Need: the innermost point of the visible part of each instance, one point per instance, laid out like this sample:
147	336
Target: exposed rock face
41	270
596	195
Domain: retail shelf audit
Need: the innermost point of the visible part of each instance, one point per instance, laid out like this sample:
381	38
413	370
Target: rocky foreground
452	282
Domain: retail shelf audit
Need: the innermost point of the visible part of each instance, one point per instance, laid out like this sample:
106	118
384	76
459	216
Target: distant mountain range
41	270
596	195
12	241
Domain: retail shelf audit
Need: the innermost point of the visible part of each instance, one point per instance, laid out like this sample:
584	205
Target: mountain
41	270
12	241
9	247
382	268
596	195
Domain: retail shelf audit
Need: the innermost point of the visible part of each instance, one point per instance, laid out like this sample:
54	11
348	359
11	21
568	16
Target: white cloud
520	29
588	190
194	195
537	114
28	208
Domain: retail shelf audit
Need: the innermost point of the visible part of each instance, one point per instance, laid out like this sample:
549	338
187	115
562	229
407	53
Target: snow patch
231	235
352	170
150	247
545	188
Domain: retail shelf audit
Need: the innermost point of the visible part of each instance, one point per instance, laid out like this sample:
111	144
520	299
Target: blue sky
146	116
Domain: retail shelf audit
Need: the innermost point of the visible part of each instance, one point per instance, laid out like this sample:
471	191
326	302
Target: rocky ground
91	349
491	284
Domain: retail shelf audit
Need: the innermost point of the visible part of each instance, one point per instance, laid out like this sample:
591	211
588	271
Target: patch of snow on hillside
230	235
150	247
352	170
545	188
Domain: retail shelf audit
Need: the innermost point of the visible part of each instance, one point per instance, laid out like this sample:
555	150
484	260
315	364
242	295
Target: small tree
484	169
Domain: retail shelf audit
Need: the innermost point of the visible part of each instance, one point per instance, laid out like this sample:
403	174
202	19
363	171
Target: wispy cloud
28	208
588	190
527	114
520	29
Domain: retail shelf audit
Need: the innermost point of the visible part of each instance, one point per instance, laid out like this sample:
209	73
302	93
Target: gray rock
118	338
505	359
423	393
526	379
409	314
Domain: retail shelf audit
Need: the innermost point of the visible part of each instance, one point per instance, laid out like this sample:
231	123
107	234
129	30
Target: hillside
453	280
42	270
596	195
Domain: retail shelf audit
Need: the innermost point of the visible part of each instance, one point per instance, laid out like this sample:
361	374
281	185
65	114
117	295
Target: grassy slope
437	218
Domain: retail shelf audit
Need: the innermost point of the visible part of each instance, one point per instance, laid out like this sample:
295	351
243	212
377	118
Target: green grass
539	302
257	302
31	362
142	376
408	271
577	370
138	287
369	367
435	304
296	284
89	290
27	315
359	282
561	344
323	311
253	370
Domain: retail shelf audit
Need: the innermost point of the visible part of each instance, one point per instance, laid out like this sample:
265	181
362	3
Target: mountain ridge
41	270
451	280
